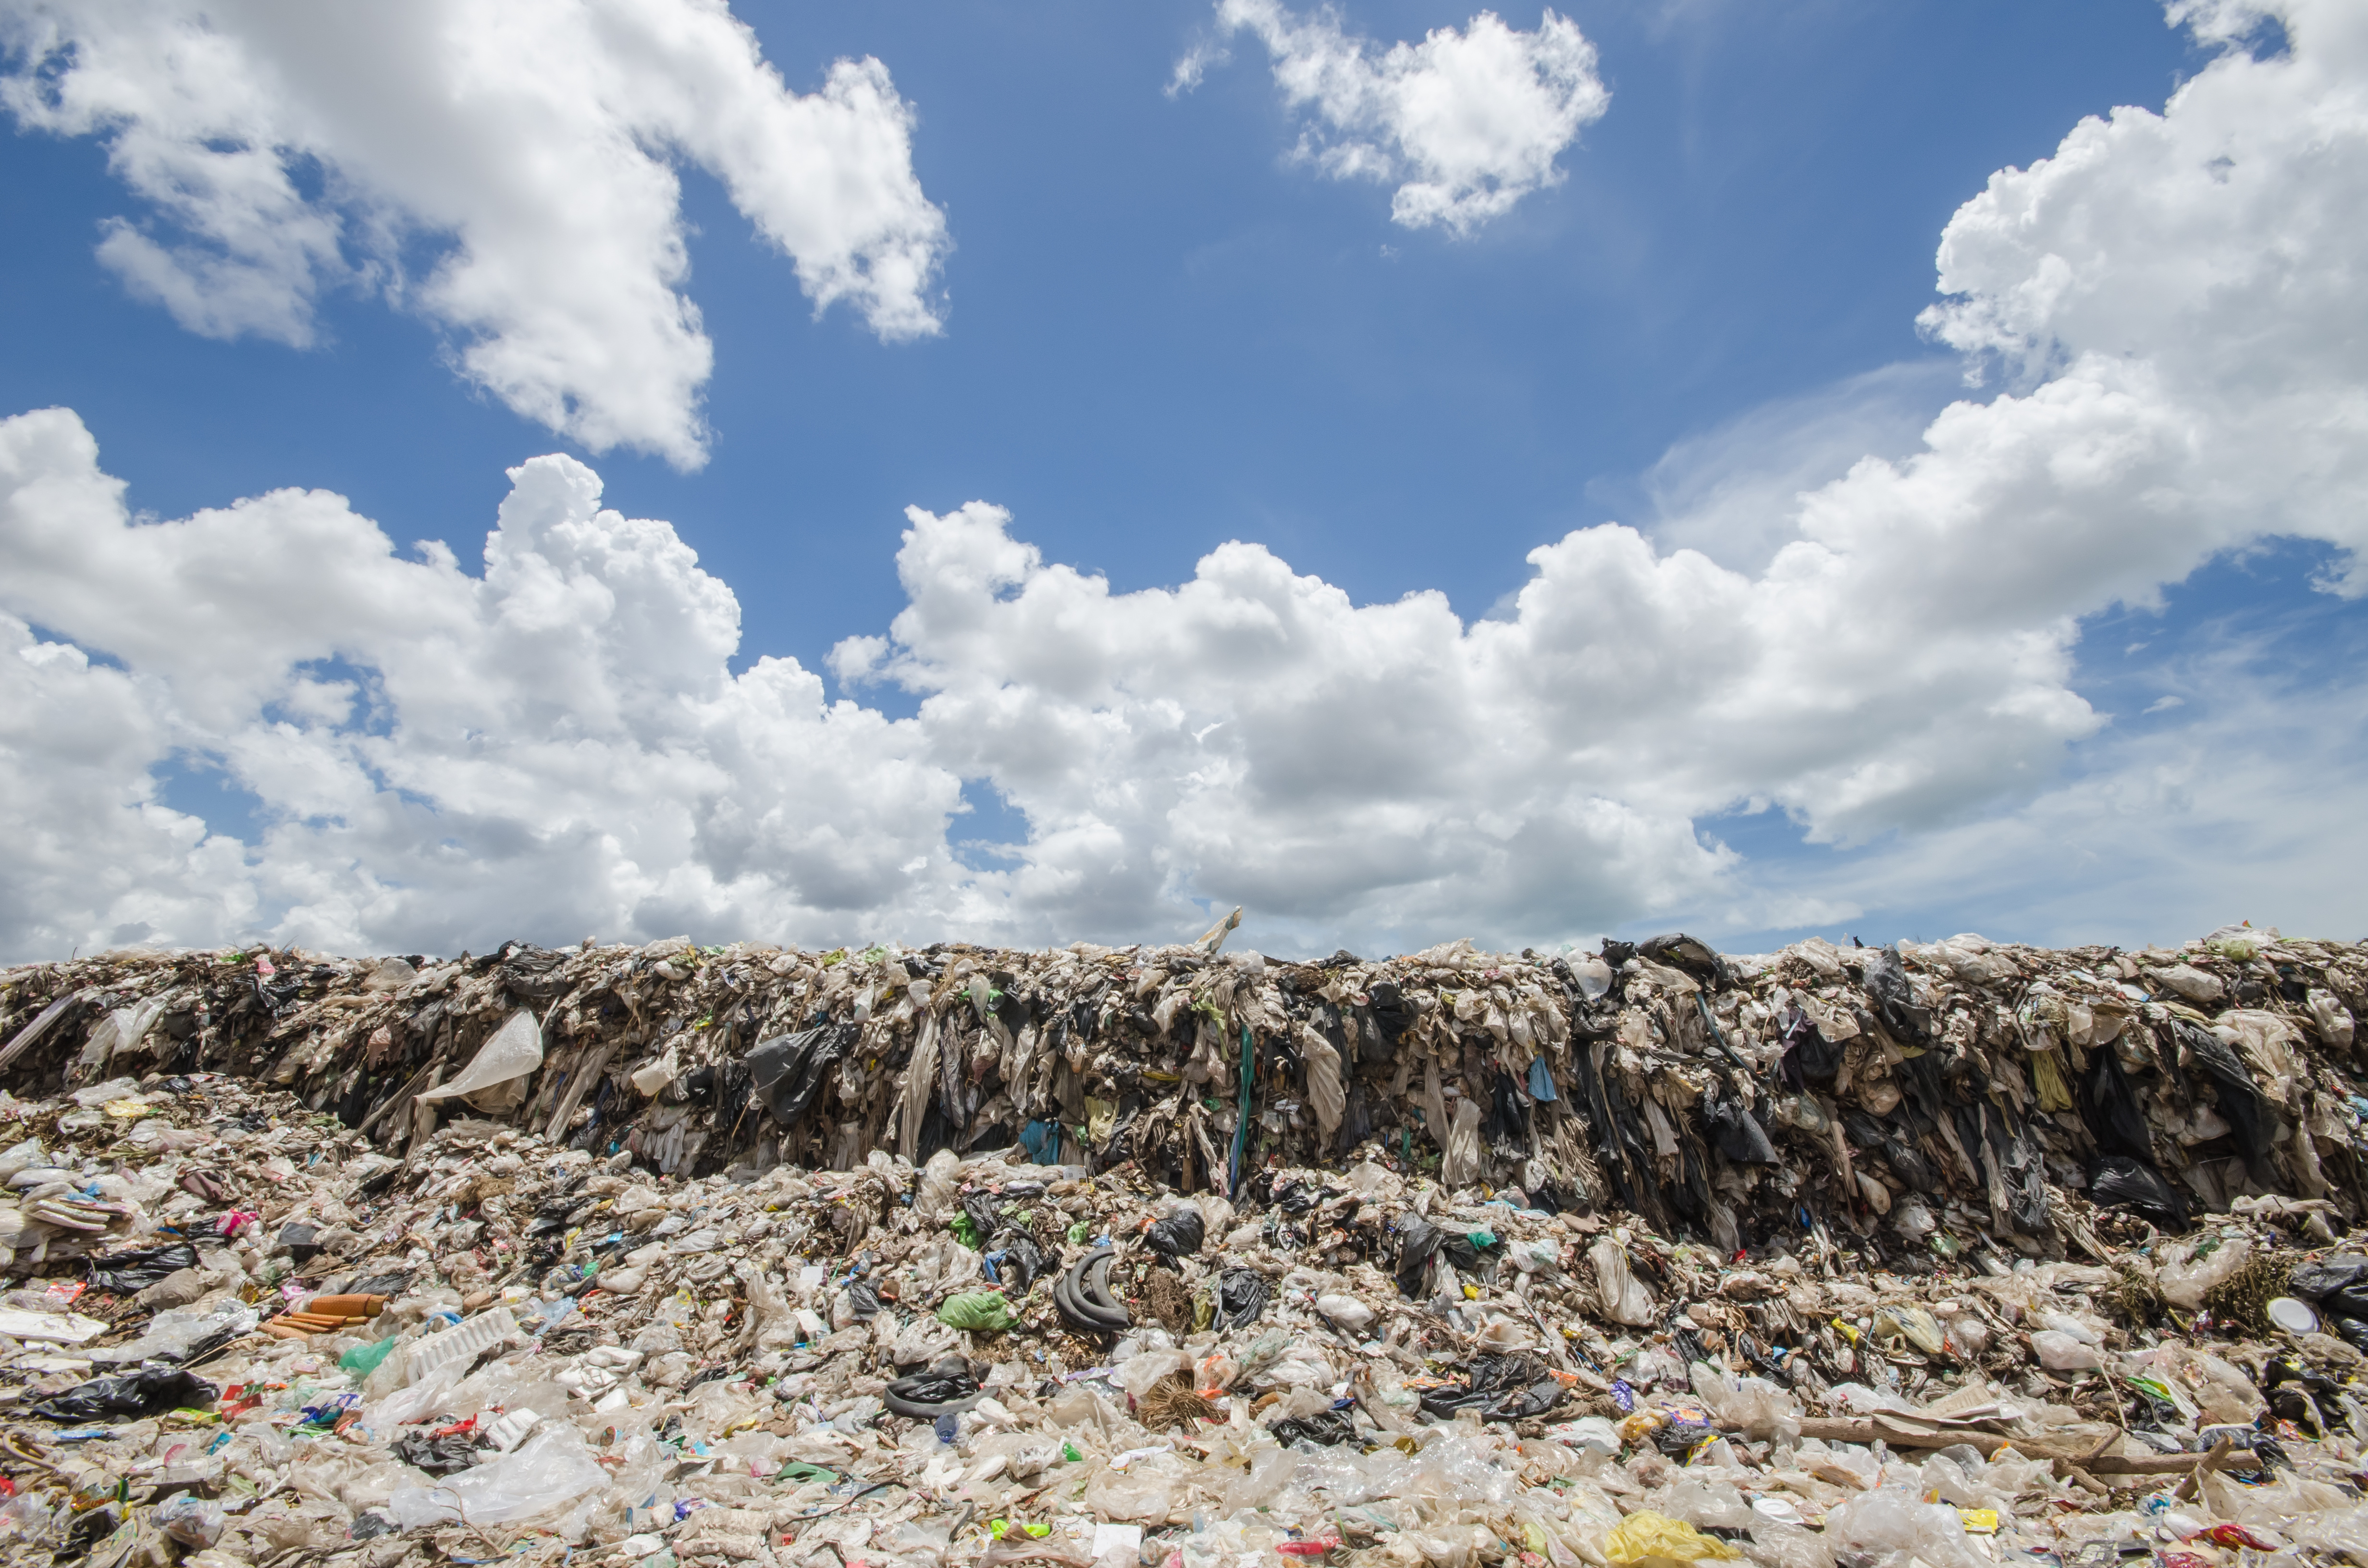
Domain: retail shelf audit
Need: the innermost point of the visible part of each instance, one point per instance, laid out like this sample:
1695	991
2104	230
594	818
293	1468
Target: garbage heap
1176	1258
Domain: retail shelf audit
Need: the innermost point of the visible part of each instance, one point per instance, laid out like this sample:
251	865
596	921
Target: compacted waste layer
1958	1253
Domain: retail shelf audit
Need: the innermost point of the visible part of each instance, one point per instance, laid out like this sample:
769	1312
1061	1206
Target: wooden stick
2194	1481
2220	1457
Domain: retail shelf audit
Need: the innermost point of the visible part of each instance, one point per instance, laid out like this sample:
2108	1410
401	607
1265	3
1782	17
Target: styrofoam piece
508	1430
462	1344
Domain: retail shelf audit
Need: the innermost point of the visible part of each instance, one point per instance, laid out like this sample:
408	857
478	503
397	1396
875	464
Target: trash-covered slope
1175	1257
1920	1097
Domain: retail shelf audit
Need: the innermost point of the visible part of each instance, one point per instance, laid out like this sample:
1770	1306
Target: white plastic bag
1889	1520
495	1078
2184	1279
934	1199
2059	1352
2333	1018
1624	1298
551	1468
1346	1310
1753	1407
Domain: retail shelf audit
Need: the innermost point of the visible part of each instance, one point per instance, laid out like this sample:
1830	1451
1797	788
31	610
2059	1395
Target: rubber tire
1094	1291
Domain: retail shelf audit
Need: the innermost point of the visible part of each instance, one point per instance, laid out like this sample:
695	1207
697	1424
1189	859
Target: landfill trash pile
1957	1253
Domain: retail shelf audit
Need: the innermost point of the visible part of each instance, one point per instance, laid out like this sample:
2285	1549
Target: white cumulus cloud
527	147
559	746
1465	123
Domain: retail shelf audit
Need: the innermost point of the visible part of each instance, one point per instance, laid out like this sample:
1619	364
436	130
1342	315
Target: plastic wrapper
1326	1427
1460	1165
1515	1387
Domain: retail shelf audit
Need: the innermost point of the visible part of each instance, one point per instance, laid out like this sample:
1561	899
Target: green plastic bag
981	1312
965	1232
363	1359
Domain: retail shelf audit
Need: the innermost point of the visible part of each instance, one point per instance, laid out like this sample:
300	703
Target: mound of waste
1960	1254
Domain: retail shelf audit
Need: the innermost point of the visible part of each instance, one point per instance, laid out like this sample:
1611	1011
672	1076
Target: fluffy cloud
529	144
1465	123
560	746
554	745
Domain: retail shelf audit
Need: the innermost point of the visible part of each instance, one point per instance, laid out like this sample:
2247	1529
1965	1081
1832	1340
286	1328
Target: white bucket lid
2293	1316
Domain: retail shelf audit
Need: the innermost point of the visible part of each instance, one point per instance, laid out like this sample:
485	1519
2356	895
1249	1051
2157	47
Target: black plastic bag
437	1456
2249	1115
2119	1181
945	1389
1179	1235
1501	1388
865	1299
1024	1258
1326	1427
1508	1127
2111	1111
979	1208
1356	1119
1392	1017
2352	1331
301	1243
380	1285
126	1273
1809	1057
1241	1297
933	1387
2326	1276
1418	1239
150	1391
1296	1197
1894	998
1679	951
1733	1128
788	1070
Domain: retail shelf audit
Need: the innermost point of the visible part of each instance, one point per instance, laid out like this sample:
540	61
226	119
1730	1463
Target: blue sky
1161	333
